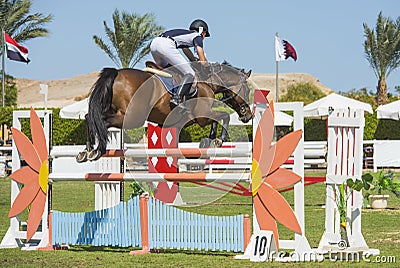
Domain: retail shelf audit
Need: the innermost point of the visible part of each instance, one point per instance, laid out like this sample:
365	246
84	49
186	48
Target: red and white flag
284	50
15	51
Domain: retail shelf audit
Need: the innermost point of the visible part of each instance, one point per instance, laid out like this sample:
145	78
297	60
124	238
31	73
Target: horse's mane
230	65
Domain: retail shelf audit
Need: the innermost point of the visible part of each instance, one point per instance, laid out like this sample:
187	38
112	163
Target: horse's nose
247	118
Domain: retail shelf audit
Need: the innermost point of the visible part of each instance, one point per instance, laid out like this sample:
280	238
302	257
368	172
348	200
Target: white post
300	243
107	194
345	156
44	89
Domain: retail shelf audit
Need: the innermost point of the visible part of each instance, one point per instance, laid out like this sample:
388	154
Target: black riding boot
183	89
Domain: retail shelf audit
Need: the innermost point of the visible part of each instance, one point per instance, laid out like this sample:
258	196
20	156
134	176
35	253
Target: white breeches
164	51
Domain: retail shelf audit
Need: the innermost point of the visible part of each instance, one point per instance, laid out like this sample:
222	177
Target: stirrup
176	100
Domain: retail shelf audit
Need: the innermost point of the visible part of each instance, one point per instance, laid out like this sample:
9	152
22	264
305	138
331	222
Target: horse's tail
100	105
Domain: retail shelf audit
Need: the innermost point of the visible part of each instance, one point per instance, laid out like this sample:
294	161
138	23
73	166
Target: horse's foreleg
225	124
206	142
213	119
213	130
217	142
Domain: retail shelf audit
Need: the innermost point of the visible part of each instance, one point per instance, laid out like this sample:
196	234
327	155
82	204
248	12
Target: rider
164	49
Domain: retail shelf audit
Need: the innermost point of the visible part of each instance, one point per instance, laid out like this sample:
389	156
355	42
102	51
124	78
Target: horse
126	98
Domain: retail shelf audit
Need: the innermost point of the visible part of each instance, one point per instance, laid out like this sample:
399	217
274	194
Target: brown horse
126	98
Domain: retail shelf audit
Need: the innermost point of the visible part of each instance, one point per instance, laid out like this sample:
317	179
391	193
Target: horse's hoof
82	157
205	143
94	155
216	143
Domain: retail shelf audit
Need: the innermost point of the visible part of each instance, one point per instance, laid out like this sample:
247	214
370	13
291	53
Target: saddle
152	67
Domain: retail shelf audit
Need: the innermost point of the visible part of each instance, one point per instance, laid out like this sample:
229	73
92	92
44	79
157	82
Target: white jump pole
179	152
152	177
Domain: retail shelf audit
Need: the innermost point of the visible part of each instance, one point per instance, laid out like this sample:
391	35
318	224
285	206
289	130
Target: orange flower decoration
34	176
268	176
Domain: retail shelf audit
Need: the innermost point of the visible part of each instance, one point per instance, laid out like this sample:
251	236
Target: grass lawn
380	229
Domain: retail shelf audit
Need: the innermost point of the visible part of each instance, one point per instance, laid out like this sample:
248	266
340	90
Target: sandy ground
66	91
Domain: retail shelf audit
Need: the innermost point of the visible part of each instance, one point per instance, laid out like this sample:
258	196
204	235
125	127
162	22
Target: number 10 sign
261	247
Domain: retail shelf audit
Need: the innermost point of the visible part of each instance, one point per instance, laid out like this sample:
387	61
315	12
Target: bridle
215	79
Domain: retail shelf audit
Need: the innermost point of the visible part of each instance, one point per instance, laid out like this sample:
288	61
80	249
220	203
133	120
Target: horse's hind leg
112	120
115	120
83	156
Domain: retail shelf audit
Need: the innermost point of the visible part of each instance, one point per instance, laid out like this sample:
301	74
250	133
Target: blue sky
327	35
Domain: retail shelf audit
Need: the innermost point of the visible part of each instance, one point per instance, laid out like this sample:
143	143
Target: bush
6	115
382	129
314	130
65	131
10	92
134	135
304	92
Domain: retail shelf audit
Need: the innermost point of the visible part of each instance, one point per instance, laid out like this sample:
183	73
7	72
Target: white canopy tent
77	110
389	111
321	108
280	118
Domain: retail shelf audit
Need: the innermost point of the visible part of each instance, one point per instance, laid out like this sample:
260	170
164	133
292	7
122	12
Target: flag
15	51
284	50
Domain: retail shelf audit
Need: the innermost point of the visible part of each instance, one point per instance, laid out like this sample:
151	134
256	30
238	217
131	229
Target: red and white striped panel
163	138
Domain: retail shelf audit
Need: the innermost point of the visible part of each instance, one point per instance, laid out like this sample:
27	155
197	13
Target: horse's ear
248	74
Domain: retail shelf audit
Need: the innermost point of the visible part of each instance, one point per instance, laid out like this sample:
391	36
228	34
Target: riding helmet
196	24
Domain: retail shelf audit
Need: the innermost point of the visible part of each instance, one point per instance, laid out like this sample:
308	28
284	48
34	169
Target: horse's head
232	83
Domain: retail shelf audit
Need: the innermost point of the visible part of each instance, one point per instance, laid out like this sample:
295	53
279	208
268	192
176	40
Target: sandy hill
268	81
66	91
61	92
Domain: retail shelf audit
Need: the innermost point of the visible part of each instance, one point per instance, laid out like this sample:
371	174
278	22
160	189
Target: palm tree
16	20
382	50
130	40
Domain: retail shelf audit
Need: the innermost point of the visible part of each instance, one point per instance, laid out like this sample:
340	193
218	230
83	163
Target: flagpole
276	82
276	77
3	80
2	68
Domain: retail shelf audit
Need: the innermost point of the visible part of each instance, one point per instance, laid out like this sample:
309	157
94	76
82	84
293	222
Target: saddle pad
169	83
172	87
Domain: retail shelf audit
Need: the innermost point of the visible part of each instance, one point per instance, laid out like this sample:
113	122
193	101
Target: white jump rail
5	149
152	177
217	161
178	152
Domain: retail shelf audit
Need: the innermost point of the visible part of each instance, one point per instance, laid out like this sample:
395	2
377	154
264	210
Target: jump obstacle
299	244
